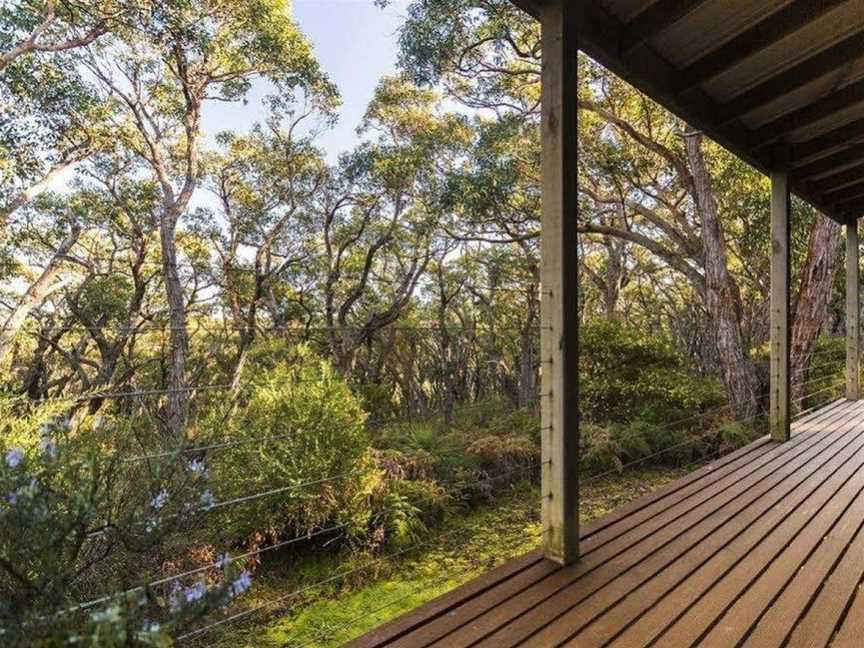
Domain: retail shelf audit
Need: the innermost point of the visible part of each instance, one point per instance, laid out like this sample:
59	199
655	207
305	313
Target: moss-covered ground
298	613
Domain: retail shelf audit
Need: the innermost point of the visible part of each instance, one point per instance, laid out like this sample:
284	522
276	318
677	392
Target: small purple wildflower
195	592
48	448
14	457
197	467
174	597
149	626
223	561
241	583
207	500
12	498
159	500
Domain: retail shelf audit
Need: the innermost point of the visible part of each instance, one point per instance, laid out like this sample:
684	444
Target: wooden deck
762	548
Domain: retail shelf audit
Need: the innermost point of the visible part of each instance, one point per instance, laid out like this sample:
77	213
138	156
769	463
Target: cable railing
306	537
331	529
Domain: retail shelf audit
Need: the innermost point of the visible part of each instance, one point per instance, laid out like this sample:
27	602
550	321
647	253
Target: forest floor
463	547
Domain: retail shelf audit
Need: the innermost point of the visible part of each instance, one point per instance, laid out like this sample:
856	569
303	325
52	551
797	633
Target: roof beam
831	165
529	6
851	211
809	115
656	18
839	198
815	67
601	36
760	36
822	145
850	176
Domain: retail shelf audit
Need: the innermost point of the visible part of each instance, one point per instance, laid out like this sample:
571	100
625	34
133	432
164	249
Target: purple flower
195	592
48	448
174	597
149	626
12	498
223	561
207	500
14	457
159	501
240	584
197	467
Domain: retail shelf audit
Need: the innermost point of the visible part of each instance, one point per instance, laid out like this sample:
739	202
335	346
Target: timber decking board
762	548
662	547
647	583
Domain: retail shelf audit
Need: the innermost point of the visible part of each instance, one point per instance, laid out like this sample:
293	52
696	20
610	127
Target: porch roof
778	82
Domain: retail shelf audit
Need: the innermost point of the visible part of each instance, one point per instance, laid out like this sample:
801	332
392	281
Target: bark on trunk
739	377
38	291
810	310
178	400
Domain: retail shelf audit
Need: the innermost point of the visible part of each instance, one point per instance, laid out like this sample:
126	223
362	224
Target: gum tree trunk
814	294
721	296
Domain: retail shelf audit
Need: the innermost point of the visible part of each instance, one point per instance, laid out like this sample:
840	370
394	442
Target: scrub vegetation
249	394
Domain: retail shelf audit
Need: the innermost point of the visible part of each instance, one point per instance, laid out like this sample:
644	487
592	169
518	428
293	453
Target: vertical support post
853	334
559	337
780	343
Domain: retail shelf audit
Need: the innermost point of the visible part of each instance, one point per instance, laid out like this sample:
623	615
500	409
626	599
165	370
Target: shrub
600	450
626	374
307	442
411	507
76	523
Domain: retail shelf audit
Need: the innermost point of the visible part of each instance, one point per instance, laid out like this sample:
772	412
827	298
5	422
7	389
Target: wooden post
779	378
853	334
559	336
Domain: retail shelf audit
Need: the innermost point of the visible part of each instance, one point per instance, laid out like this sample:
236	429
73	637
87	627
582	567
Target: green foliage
626	374
304	425
73	518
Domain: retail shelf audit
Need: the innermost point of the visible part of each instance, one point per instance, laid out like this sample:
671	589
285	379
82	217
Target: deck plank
583	599
519	617
658	612
765	546
692	572
852	627
824	615
785	610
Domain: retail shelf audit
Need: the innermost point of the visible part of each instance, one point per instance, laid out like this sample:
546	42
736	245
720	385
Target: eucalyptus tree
646	180
178	57
47	26
51	117
266	183
378	228
102	291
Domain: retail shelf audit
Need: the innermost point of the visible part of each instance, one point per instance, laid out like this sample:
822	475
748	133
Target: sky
355	43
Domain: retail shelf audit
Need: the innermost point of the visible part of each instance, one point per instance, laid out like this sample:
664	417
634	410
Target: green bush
627	375
307	440
77	523
411	508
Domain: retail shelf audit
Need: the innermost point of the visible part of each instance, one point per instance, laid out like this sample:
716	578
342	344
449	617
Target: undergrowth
465	545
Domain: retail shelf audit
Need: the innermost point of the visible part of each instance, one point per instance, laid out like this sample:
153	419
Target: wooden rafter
757	38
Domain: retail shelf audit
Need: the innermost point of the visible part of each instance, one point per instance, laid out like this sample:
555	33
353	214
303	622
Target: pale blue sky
355	43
